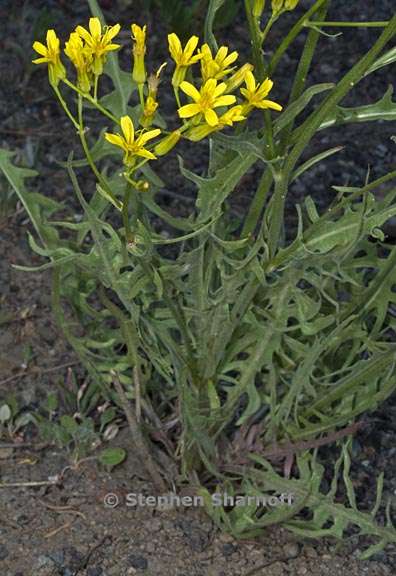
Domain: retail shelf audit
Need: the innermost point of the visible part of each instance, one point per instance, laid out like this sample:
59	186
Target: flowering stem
267	29
257	204
260	67
125	215
141	95
87	152
96	83
91	100
303	69
176	92
65	107
311	24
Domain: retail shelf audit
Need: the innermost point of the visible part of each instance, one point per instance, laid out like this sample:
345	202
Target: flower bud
200	132
167	143
139	51
258	8
238	77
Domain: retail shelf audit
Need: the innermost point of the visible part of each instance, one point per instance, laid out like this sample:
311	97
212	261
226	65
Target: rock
95	571
3	552
229	549
138	562
310	552
291	550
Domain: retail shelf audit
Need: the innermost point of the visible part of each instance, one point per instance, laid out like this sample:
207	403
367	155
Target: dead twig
57	530
39	371
32	484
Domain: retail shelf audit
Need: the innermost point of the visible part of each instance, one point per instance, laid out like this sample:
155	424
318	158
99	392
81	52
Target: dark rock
138	562
229	549
3	552
95	571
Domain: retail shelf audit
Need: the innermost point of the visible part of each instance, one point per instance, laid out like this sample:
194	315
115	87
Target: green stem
141	95
96	88
311	24
177	97
87	152
92	101
125	214
267	29
310	126
292	35
65	107
257	38
302	71
257	204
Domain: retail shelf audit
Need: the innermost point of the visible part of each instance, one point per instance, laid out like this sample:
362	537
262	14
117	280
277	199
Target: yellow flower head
255	94
183	57
139	51
209	97
216	67
99	44
82	60
232	115
50	55
133	146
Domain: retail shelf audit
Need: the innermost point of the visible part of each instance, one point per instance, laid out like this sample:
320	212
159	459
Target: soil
62	527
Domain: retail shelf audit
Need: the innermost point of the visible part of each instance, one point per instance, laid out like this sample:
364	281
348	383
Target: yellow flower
81	58
50	55
255	94
182	57
216	67
232	115
132	145
291	4
139	51
209	97
98	43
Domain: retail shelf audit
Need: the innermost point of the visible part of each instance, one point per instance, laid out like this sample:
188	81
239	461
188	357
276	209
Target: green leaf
314	160
112	456
384	109
298	106
16	177
214	6
385	60
5	413
212	192
69	424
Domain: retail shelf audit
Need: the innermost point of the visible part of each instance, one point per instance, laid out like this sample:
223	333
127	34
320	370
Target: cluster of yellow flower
219	79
